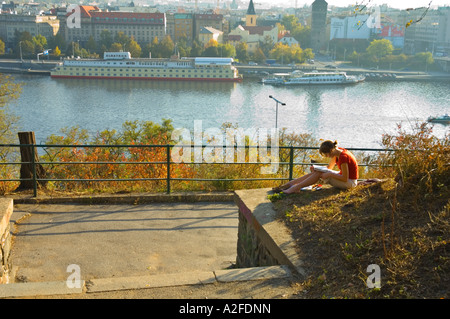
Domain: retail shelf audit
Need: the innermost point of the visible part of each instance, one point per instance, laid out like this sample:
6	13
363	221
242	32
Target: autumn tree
73	49
166	47
183	47
154	48
289	21
227	50
380	48
146	50
27	47
299	32
91	45
242	52
159	49
122	38
422	60
57	41
40	43
307	54
197	49
286	54
23	43
106	39
134	48
8	92
116	47
259	56
211	49
266	45
57	51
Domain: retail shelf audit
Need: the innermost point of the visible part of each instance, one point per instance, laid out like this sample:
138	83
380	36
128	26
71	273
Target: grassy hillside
341	233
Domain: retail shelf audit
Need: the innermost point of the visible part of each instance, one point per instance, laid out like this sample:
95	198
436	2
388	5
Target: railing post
291	162
168	168
33	170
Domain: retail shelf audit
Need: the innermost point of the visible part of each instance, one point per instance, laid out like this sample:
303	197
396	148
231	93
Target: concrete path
115	241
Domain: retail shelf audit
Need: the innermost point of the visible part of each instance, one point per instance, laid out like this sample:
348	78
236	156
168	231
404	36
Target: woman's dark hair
326	147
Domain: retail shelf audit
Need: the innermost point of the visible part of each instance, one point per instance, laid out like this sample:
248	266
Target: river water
355	116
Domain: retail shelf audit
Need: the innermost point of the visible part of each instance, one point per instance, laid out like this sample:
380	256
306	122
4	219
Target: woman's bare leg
306	180
294	182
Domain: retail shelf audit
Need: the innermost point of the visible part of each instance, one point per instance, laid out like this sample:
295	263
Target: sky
400	4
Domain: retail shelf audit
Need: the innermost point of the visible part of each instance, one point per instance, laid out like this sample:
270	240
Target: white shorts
340	184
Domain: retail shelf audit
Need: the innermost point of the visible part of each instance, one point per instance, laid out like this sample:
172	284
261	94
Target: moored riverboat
443	119
309	78
120	65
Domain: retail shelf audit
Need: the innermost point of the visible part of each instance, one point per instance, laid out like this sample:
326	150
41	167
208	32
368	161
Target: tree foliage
297	30
8	92
287	54
380	48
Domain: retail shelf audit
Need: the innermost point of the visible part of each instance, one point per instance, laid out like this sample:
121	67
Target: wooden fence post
32	169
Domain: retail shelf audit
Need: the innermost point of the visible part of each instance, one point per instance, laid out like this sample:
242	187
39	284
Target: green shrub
419	160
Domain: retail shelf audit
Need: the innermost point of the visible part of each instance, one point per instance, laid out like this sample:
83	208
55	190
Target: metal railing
35	179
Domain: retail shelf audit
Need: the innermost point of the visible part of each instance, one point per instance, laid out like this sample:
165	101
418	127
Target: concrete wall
263	239
6	209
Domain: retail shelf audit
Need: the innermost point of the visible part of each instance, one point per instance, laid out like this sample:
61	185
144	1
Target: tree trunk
26	154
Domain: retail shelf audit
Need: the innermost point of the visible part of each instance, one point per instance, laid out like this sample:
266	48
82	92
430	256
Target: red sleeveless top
347	157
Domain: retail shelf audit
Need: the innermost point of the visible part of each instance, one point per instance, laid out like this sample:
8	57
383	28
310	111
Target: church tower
251	15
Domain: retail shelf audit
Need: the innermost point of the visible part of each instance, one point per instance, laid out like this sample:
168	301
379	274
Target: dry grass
341	233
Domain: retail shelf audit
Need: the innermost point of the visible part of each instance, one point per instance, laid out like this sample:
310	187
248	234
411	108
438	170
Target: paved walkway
107	241
154	250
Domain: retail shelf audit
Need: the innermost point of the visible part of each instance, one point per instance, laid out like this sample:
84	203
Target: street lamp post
43	53
20	49
276	113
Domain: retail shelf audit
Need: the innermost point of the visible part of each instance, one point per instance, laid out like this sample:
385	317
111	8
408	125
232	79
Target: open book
322	169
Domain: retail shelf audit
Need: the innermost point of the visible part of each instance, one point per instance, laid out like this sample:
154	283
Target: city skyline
399	4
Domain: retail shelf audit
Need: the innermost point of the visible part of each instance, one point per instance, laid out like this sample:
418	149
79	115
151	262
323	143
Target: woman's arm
343	177
332	163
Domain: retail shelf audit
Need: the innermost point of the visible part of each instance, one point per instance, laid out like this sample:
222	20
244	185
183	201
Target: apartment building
47	26
192	26
215	21
183	26
207	34
431	33
144	27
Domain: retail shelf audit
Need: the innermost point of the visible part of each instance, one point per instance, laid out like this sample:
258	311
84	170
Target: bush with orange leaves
113	161
420	161
137	156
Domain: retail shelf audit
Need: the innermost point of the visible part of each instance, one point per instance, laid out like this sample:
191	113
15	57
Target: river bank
43	67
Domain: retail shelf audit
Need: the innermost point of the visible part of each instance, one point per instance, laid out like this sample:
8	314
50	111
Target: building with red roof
251	33
144	27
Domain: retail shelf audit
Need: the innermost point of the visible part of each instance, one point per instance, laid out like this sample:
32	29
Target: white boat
443	119
275	79
301	78
120	65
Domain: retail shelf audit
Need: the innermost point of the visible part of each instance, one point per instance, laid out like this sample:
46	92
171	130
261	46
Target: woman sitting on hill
345	179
